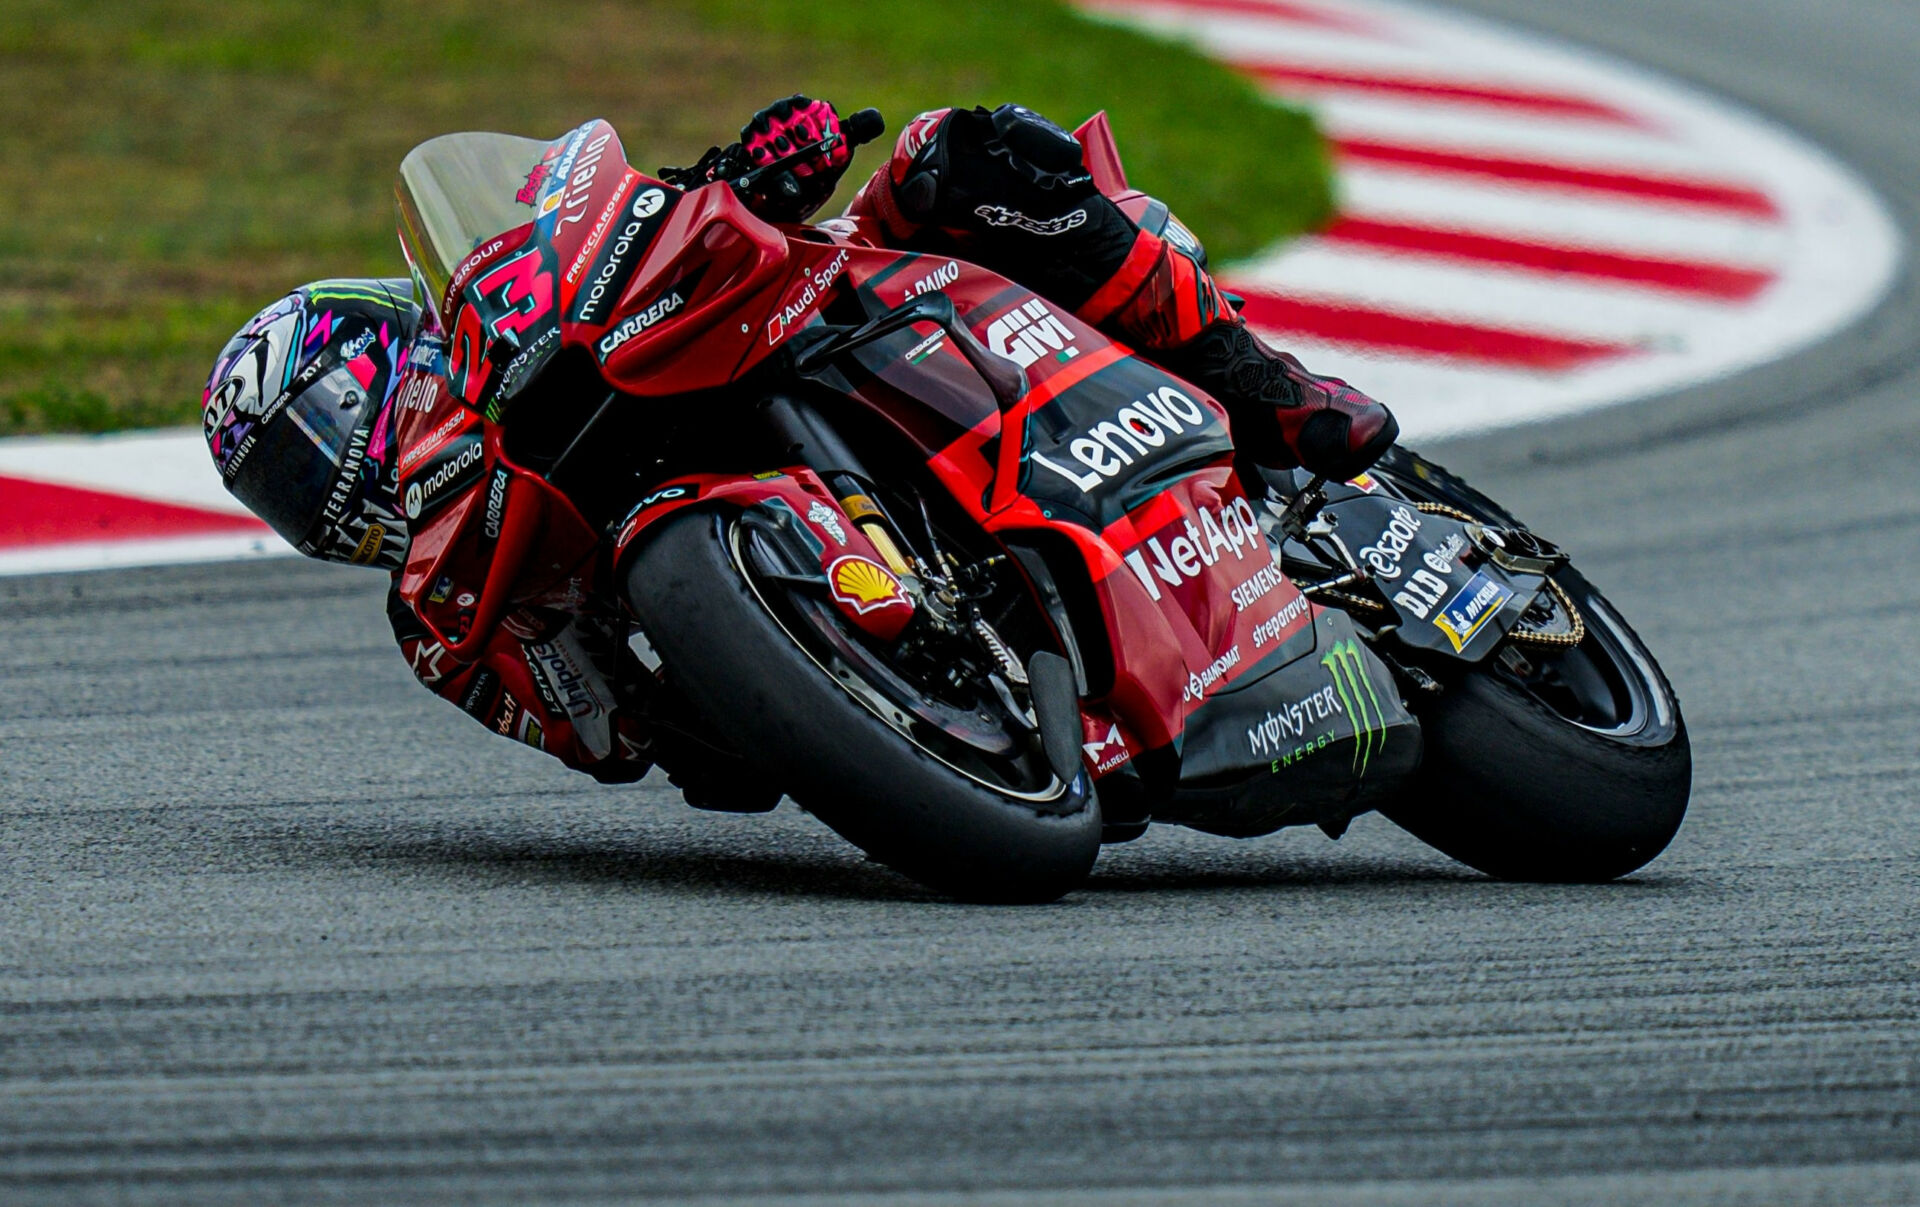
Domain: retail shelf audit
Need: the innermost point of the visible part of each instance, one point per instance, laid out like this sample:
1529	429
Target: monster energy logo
1350	680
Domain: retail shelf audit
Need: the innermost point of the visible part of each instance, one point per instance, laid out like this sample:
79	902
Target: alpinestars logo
1348	671
1000	215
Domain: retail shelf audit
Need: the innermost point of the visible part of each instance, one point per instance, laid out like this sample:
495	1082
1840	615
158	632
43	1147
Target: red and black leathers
1010	190
565	684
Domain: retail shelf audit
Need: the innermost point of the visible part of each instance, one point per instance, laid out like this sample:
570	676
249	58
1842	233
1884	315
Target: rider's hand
782	128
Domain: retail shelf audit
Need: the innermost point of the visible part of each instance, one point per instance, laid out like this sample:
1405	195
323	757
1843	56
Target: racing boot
1162	301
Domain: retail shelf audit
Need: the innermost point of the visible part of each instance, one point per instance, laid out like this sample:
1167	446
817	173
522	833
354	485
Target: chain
1353	601
1443	509
1573	636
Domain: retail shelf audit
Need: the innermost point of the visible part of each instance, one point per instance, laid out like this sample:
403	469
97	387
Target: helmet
299	417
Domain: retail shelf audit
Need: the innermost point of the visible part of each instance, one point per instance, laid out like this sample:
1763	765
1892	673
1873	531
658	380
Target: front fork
809	440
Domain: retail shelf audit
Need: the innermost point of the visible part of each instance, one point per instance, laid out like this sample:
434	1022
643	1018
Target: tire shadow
691	857
488	858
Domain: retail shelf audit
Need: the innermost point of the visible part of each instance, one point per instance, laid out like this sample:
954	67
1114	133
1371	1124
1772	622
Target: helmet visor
299	454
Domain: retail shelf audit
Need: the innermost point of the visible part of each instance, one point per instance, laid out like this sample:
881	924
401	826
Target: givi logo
1029	332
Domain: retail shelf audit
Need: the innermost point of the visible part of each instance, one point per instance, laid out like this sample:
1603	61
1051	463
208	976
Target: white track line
106	555
1485	295
1832	248
1502	132
169	466
1583	221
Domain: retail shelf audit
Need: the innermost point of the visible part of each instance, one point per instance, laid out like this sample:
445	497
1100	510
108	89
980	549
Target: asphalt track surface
275	925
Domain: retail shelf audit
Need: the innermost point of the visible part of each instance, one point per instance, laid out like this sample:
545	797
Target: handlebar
857	128
729	164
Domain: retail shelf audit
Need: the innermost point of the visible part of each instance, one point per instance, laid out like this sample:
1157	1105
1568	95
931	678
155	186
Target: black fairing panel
1321	739
1117	438
1450	600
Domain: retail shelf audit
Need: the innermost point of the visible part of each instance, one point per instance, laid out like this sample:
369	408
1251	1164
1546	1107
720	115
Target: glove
780	129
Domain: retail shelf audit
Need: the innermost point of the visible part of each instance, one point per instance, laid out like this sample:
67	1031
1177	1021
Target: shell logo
865	585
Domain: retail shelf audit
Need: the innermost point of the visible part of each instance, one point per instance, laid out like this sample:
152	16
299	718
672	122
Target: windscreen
458	190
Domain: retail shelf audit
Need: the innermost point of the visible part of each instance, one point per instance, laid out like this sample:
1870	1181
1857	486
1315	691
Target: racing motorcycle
973	584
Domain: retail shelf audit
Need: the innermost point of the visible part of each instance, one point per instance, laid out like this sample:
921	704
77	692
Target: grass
169	166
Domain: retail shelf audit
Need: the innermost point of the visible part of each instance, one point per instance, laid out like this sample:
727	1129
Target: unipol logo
1030	332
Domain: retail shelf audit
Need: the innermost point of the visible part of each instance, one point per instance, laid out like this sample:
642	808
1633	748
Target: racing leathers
565	684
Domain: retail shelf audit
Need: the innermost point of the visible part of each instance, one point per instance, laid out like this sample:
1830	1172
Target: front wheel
915	778
1566	763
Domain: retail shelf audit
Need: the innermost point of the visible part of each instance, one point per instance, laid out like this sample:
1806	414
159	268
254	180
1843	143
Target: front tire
1577	771
746	674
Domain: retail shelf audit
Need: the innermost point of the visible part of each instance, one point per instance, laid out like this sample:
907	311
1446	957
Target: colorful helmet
299	417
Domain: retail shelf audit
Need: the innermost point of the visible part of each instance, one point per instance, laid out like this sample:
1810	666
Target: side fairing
486	535
1127	462
1321	738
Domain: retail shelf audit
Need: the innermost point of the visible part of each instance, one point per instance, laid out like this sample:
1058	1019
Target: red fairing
1166	572
861	586
710	272
1103	156
488	536
1103	743
1190	571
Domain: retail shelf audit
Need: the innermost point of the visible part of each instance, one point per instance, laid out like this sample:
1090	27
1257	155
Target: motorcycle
973	584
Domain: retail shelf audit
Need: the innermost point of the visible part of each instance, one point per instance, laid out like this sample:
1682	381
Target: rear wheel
1554	763
936	778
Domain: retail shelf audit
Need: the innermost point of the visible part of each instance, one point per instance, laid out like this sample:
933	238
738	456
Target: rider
299	410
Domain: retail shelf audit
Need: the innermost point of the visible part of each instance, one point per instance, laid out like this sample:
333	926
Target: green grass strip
169	167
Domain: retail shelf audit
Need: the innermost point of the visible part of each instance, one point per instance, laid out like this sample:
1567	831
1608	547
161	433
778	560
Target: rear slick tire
737	664
1517	790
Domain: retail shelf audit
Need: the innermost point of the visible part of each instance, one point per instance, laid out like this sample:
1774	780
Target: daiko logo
1029	332
939	278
